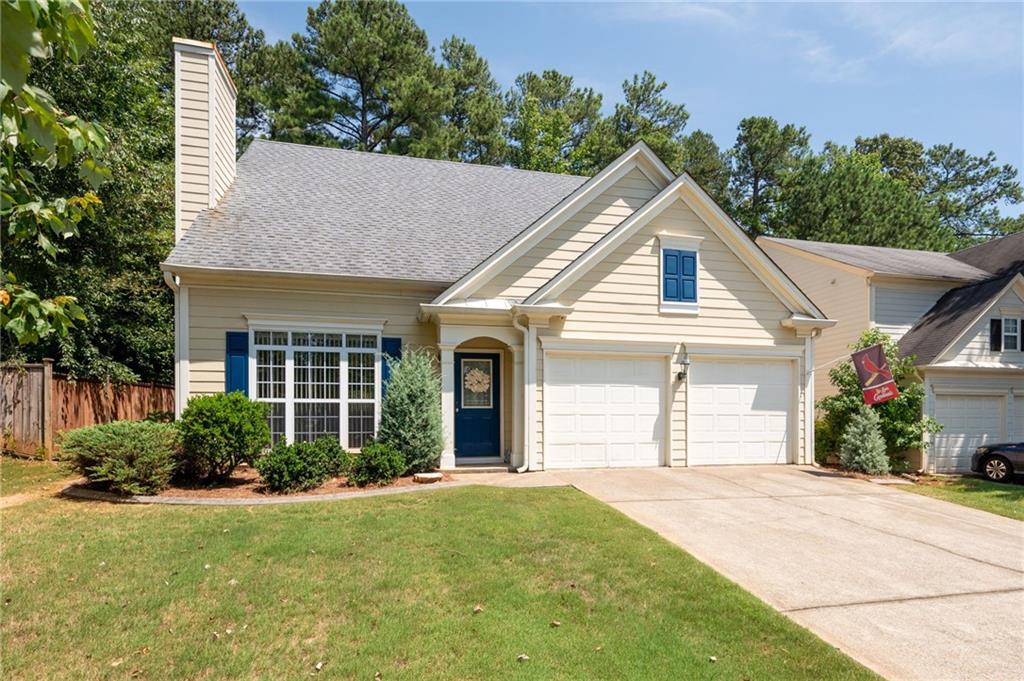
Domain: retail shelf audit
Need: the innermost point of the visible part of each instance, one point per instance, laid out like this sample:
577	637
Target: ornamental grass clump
410	418
862	447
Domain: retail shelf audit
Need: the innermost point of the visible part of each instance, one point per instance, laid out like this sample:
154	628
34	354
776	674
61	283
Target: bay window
318	383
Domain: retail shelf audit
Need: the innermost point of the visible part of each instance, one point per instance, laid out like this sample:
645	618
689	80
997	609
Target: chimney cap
203	46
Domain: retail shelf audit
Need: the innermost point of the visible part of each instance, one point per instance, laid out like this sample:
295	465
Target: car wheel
997	469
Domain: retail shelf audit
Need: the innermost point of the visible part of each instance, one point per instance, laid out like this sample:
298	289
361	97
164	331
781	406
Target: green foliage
844	196
128	457
220	431
706	163
303	465
410	419
548	120
376	464
826	440
39	138
902	422
762	156
862	447
646	114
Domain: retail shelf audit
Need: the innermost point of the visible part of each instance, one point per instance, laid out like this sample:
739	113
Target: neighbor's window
1011	333
319	383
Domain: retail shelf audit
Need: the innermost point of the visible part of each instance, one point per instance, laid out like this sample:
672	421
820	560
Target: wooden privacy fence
39	404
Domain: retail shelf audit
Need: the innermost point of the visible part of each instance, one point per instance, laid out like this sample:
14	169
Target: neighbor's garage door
739	412
603	411
969	421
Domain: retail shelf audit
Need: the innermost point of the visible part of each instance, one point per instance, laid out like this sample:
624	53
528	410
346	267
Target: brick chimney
204	130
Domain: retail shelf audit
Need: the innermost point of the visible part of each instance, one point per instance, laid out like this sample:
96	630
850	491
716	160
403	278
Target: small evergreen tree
862	447
410	419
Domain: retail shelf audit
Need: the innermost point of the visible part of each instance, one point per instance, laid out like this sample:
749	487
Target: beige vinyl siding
569	240
840	294
973	350
898	306
224	134
538	456
192	102
677	396
216	309
619	297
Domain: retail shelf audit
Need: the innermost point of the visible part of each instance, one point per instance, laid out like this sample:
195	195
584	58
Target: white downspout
173	283
529	394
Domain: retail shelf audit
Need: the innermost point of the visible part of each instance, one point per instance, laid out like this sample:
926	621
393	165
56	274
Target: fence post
46	416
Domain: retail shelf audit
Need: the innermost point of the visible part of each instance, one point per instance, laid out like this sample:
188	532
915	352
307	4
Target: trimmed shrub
862	447
303	465
410	418
128	457
220	431
377	463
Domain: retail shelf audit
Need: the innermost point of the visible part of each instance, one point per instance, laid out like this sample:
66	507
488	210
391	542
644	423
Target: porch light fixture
686	368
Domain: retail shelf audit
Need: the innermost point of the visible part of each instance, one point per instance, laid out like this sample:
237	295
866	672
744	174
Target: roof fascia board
309	276
558	215
1016	282
814	257
685	188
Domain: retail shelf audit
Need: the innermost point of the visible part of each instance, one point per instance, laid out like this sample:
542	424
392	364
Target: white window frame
1016	335
678	242
375	330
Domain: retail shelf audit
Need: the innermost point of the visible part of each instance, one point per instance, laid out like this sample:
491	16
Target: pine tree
863	447
410	419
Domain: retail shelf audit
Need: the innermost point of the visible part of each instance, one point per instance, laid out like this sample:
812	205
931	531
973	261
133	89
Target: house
958	314
617	320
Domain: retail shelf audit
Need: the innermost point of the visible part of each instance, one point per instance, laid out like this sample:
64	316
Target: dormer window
680	268
1011	333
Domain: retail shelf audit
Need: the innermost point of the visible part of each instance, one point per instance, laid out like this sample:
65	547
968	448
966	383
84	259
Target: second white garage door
739	412
603	411
968	421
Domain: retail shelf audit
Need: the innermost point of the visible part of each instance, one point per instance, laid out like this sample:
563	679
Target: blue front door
477	404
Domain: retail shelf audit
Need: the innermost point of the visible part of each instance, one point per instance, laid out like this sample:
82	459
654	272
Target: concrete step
479	468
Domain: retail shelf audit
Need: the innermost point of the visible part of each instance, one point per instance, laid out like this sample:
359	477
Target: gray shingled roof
296	208
948	318
998	256
893	261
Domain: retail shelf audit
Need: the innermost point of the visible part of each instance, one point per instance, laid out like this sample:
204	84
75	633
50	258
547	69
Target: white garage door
602	411
969	421
739	412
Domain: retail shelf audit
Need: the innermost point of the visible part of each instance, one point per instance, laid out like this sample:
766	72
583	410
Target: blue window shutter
236	364
391	347
670	270
688	276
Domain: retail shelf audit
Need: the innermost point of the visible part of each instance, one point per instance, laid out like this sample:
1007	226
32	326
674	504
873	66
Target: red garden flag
875	377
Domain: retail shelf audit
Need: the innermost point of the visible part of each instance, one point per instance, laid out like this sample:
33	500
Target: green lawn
22	475
1002	498
385	584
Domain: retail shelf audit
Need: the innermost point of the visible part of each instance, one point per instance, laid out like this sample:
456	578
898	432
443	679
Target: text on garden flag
875	377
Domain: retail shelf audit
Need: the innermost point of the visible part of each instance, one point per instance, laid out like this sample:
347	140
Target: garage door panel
739	412
603	411
968	421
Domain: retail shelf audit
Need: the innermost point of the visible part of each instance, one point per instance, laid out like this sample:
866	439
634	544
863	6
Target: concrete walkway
912	587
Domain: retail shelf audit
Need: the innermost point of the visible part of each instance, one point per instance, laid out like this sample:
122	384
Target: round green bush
128	457
220	431
377	464
303	465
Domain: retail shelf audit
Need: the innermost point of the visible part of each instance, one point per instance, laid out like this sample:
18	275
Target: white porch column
448	405
517	405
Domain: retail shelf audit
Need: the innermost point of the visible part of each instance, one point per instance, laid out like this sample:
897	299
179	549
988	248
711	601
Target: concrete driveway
912	587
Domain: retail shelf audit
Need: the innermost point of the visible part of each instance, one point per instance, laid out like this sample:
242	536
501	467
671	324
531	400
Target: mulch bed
245	483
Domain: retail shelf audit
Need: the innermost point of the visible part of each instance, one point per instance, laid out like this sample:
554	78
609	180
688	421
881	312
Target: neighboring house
617	320
959	315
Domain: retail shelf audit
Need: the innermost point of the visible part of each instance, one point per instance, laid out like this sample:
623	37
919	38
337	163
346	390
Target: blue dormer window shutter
391	347
236	364
679	275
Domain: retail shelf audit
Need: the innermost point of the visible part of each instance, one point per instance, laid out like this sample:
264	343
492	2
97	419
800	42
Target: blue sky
944	72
